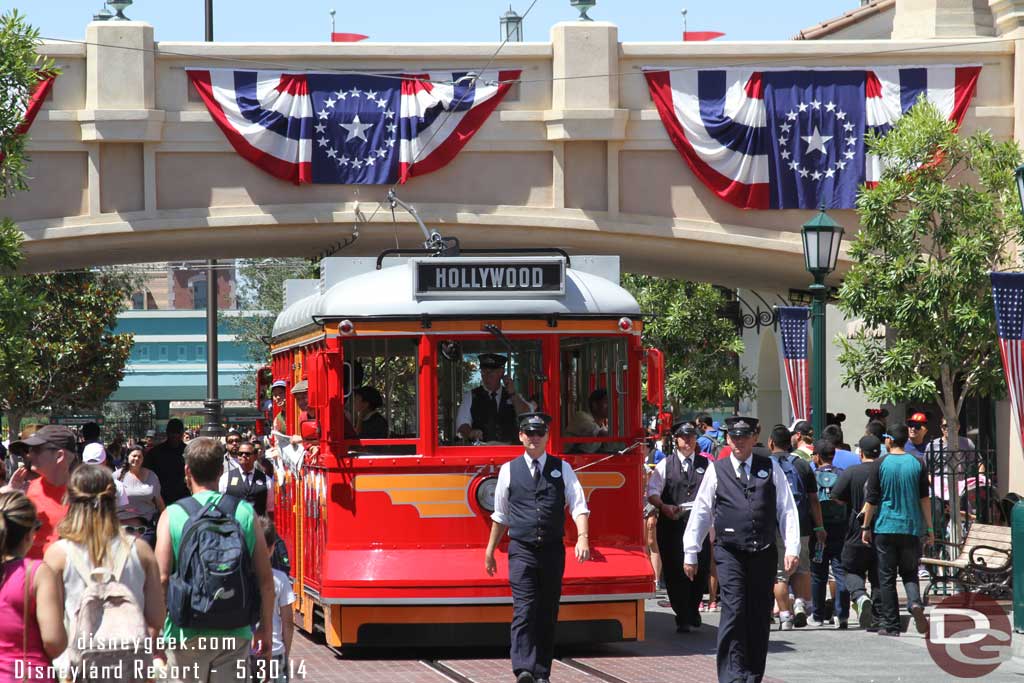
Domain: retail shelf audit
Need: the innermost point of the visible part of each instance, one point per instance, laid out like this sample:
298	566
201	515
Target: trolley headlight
485	493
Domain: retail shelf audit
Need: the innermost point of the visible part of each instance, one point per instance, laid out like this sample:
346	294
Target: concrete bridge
128	166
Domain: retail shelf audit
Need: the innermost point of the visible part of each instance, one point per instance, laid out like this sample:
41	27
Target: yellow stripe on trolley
433	495
591	481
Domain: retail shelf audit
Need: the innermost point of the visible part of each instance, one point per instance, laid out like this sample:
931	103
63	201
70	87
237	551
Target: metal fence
963	489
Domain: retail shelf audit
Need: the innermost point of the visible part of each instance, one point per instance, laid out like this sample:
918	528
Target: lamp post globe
119	7
821	238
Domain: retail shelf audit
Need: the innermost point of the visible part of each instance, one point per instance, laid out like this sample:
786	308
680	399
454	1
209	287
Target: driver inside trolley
490	412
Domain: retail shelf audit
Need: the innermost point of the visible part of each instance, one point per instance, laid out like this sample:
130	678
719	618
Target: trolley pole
212	405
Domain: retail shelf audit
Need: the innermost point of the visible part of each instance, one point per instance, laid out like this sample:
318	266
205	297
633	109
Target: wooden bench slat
944	563
989	536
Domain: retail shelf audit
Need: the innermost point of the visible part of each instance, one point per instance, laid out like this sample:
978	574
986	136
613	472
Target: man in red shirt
52	450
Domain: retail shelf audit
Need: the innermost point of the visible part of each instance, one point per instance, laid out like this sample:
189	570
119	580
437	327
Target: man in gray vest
747	498
671	490
529	502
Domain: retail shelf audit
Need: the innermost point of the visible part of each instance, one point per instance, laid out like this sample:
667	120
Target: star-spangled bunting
1008	297
349	129
794	138
793	329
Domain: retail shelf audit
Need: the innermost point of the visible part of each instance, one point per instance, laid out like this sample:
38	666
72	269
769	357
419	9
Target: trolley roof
392	292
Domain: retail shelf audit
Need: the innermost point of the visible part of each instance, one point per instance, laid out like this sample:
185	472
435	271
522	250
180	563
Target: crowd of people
790	529
161	562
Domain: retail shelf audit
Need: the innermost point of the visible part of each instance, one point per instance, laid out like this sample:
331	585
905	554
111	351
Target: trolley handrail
431	252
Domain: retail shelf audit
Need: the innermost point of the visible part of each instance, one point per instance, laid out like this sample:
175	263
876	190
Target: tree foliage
261	288
944	214
58	350
701	347
20	67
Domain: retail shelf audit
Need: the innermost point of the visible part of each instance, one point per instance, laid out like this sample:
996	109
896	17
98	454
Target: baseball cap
94	454
870	444
279	383
918	417
57	436
801	427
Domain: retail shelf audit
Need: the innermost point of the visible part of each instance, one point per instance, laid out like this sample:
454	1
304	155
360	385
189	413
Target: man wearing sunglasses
247	482
51	450
917	427
531	495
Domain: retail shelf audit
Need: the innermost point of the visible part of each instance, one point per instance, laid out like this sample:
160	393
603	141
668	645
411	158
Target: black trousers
535	573
898	554
685	595
860	563
745	581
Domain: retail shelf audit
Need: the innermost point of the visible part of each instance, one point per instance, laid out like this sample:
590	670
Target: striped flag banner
793	325
1008	297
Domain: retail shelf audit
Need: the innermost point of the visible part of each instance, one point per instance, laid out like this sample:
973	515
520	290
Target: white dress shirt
574	498
702	515
237	471
464	416
656	484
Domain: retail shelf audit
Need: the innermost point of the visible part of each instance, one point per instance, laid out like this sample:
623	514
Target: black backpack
279	557
214	584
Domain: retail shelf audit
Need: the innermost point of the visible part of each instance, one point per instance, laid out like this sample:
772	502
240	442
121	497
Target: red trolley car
387	535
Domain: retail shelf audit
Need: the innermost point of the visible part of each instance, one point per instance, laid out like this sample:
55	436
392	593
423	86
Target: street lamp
119	7
511	26
822	237
103	15
583	6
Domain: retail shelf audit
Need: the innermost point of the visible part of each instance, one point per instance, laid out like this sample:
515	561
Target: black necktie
536	471
743	474
494	398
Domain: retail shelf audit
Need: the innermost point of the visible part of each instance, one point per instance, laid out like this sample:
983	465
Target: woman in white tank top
91	537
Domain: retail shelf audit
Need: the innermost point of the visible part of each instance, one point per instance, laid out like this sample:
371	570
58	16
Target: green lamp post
822	237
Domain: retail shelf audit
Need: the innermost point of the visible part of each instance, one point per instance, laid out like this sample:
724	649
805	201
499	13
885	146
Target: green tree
20	67
943	215
261	288
701	347
58	350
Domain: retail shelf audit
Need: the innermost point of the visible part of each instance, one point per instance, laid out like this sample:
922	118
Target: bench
984	562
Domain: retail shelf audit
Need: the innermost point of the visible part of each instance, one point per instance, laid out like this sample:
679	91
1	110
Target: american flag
367	129
1008	296
791	138
793	324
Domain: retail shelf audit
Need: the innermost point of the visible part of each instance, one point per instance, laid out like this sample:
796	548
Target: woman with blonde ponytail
91	537
31	614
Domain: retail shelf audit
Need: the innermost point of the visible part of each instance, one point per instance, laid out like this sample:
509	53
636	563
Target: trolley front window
483	386
381	387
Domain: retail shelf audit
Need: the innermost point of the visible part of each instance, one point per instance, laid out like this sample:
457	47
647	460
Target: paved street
800	656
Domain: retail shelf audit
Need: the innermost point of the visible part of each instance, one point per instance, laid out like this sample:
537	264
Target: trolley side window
483	388
381	387
594	388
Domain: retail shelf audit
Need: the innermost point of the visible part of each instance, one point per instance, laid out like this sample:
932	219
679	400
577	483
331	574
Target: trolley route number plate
527	276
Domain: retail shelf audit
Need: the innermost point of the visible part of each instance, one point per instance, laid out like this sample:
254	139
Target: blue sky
438	21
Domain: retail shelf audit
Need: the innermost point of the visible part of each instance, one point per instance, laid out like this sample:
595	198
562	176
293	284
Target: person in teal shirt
192	658
898	509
